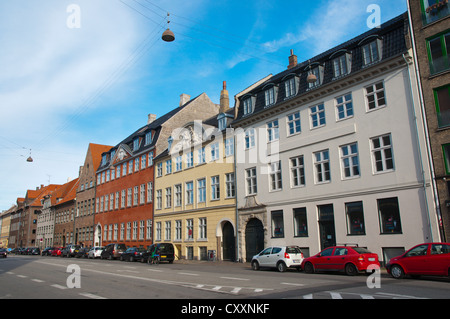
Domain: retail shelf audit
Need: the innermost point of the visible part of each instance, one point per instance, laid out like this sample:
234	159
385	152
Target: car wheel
255	265
281	266
397	272
351	270
308	268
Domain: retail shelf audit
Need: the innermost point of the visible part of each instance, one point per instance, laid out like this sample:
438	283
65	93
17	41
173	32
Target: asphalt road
36	277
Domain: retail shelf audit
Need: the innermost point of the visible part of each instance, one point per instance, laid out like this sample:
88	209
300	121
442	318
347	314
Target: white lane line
188	274
92	296
37	280
22	276
291	284
59	286
234	278
217	288
236	290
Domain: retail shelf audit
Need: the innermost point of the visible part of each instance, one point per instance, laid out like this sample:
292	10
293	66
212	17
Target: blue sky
63	87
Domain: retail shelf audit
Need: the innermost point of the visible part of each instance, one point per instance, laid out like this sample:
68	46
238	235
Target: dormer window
270	95
113	153
248	106
148	138
135	144
290	87
222	120
342	65
318	72
372	52
103	159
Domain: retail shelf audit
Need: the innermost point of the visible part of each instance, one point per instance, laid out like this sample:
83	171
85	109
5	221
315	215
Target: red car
424	259
349	259
57	251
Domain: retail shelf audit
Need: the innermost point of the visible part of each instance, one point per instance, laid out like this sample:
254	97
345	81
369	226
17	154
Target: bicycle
154	260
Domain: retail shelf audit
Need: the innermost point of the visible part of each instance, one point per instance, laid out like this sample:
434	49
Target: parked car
95	252
56	251
3	252
113	251
166	252
47	251
82	252
35	251
73	250
281	258
132	254
349	259
424	259
65	252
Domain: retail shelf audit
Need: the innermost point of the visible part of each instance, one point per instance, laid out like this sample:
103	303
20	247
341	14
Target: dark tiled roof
392	34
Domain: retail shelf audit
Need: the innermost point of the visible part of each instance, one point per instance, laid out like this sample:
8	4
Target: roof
65	192
43	191
96	153
391	33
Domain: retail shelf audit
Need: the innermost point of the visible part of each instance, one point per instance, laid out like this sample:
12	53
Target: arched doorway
228	242
98	235
254	238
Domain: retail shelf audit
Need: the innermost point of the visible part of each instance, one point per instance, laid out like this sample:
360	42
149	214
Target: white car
280	257
95	252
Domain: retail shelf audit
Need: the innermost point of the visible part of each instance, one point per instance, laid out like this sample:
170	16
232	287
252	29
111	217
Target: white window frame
350	161
322	166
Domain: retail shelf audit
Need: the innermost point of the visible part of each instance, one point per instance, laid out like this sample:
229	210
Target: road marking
22	276
92	296
188	274
291	284
396	296
10	273
37	280
216	288
59	286
308	296
155	270
234	278
335	295
236	290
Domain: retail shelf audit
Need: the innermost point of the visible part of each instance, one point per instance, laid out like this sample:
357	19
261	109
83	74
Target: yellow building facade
195	192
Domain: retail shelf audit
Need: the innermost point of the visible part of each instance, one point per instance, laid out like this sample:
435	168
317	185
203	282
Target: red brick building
124	191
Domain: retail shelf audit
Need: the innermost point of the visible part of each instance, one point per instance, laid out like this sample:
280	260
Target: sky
74	72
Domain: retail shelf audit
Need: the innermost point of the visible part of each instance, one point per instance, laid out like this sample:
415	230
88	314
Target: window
189	159
248	108
433	10
214	151
142	194
178	197
438	52
149	192
215	188
275	176
149	229
293	123
350	161
158	231
168	230
269	96
249	138
159	199
355	218
117	200
372	52
168	197
143	161
317	115
178	230
375	96
322	165
442	100
382	153
122	199
135	144
118	171
290	87
273	133
169	166
277	224
201	156
202	228
318	72
446	153
159	170
148	138
178	163
129	197
150	159
136	164
135	230
190	229
229	146
297	171
189	193
250	177
300	222
341	65
344	106
141	229
124	169
230	186
130	167
389	215
135	195
201	189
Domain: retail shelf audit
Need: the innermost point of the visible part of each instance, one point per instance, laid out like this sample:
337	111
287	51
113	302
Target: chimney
151	118
224	99
292	60
184	98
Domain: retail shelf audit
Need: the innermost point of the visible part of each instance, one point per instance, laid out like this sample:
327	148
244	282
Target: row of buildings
351	146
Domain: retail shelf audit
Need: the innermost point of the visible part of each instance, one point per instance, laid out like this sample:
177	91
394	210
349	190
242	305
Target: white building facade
342	160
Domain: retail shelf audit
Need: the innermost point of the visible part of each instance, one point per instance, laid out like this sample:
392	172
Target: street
36	277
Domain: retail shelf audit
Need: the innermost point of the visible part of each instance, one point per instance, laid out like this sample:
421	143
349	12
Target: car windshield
361	250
